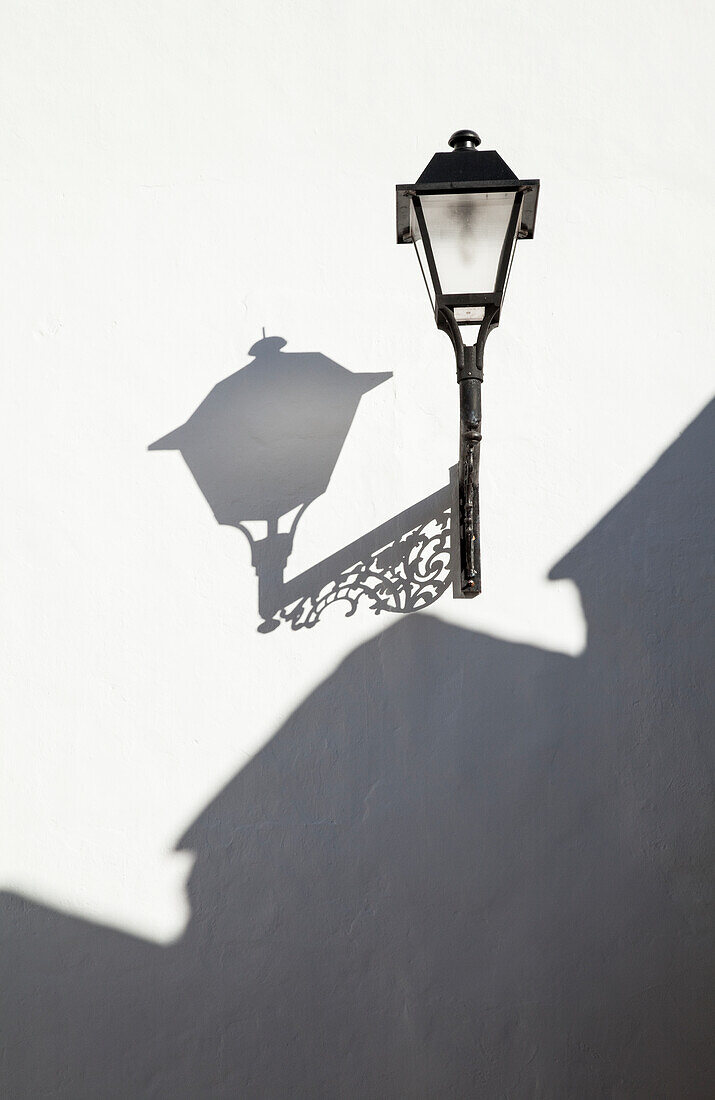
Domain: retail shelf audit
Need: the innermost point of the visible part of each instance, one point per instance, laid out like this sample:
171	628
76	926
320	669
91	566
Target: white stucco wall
176	176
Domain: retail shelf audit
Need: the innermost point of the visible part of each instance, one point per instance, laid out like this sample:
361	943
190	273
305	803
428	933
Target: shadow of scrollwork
402	566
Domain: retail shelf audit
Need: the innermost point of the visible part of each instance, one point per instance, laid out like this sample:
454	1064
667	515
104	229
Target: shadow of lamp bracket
464	216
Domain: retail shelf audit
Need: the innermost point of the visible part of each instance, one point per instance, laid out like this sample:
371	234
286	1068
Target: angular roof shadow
461	867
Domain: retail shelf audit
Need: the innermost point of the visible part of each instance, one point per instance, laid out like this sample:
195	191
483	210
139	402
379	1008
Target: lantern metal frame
468	171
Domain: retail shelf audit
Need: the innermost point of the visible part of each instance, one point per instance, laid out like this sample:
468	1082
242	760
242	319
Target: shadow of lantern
263	445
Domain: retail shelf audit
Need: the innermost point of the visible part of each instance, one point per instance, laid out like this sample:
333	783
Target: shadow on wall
263	446
462	868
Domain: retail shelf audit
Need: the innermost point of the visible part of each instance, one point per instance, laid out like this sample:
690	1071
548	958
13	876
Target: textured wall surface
252	846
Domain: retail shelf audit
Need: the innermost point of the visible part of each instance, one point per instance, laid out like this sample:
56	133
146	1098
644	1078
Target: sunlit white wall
175	176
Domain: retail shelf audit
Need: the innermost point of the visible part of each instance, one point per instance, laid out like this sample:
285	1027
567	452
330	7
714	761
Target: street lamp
464	216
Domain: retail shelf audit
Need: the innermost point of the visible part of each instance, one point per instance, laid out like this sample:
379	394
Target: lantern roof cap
465	163
469	169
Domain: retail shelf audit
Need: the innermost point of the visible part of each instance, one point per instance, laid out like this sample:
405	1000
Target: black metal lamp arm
470	361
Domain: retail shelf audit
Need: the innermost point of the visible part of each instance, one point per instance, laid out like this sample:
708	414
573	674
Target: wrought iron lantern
464	216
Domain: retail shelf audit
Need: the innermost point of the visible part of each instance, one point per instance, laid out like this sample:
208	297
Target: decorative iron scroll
402	566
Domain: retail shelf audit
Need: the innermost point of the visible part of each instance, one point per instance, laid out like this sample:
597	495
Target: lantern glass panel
513	249
421	254
467	232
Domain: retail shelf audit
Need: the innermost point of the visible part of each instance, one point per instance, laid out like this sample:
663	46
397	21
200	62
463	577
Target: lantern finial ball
465	139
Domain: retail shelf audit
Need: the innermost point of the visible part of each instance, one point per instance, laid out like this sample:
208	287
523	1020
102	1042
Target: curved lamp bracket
470	357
